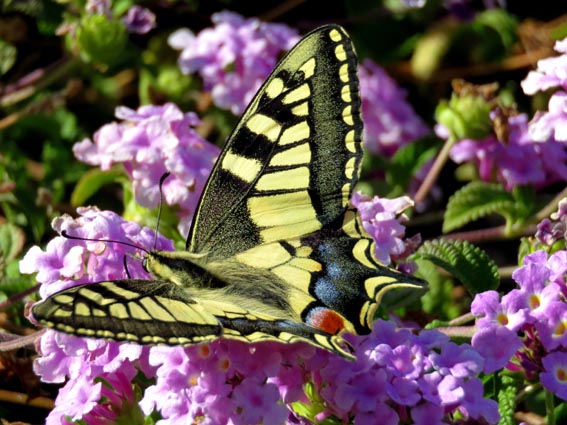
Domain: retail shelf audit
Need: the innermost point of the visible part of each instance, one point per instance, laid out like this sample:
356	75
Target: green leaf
120	7
504	24
507	401
438	299
401	297
313	406
524	203
431	48
8	55
560	413
91	182
12	240
476	200
469	264
528	246
479	199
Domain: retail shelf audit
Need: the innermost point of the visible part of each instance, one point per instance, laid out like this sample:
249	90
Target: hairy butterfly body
275	252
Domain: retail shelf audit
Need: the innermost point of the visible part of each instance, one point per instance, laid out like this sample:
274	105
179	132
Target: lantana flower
383	219
519	161
234	57
149	142
389	120
550	72
397	374
537	309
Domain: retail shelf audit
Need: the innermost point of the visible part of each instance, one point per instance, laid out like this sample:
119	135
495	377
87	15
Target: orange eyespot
326	320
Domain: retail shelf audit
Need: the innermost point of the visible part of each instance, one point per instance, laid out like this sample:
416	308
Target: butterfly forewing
287	174
289	167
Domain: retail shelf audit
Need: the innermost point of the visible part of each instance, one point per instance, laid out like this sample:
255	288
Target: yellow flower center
561	375
534	301
559	330
502	319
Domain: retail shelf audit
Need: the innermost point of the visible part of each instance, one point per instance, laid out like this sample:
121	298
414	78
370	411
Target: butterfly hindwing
135	310
352	282
334	281
152	312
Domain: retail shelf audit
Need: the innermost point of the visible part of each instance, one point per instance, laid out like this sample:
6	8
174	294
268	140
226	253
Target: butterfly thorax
181	268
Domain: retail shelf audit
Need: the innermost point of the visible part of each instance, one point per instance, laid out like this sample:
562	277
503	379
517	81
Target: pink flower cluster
537	310
149	142
233	58
389	120
382	219
519	161
397	375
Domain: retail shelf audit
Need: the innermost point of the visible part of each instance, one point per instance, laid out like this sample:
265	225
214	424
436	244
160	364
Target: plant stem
36	80
434	172
10	342
458	331
506	272
549	408
18	297
551	207
465	318
490	234
24	399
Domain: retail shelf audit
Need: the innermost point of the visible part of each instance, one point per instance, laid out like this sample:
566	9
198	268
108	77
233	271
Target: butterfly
275	251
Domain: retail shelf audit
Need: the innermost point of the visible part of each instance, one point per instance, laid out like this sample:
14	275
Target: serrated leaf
507	401
91	182
468	263
476	200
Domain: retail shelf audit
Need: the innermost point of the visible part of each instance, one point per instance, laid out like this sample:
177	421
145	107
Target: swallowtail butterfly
275	252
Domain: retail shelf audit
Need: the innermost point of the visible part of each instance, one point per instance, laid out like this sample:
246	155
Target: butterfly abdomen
256	289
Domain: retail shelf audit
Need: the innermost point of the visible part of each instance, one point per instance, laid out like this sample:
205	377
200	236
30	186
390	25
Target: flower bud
465	117
100	39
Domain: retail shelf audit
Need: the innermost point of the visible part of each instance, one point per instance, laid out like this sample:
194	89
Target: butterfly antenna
77	238
161	180
126	267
